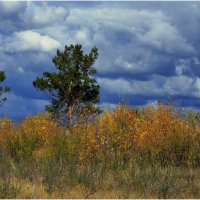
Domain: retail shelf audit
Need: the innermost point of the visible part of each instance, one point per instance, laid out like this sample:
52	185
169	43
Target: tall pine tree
71	89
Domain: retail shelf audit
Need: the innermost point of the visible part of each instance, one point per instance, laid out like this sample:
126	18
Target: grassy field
125	153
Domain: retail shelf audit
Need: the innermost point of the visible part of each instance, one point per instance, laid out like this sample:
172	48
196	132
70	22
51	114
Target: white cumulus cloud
157	85
31	41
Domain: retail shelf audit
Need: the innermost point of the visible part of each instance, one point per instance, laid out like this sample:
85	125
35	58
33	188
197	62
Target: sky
147	50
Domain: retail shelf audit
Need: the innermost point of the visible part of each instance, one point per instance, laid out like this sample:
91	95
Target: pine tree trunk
69	114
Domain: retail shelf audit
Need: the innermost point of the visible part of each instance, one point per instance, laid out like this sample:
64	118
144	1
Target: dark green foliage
3	89
72	89
197	116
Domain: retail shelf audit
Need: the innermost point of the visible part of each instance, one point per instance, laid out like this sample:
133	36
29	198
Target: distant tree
197	116
72	89
3	89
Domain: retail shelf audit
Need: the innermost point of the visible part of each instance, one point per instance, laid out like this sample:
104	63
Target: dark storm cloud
9	17
147	50
17	107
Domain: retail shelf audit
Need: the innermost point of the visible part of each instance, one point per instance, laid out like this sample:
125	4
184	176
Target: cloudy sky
147	50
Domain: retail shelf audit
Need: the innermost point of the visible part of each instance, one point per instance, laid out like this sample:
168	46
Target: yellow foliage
120	133
40	124
6	128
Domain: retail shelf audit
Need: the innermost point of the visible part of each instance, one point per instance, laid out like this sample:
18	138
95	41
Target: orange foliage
6	128
40	124
118	134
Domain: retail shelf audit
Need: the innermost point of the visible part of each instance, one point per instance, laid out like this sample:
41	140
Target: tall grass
125	153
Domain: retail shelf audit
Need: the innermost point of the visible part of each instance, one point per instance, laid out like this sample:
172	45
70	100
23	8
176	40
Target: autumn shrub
113	139
40	124
6	130
29	136
157	134
6	127
110	139
166	138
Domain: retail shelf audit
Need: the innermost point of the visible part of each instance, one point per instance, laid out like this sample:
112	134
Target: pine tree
3	89
72	88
